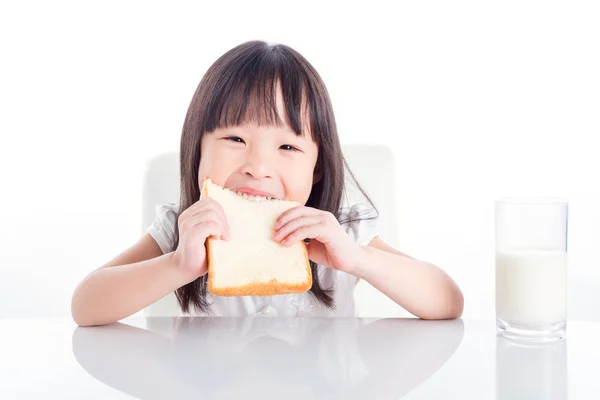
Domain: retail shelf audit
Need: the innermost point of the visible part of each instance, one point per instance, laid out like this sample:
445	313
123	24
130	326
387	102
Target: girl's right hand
203	219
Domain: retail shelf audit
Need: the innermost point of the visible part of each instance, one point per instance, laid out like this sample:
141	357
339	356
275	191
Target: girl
261	122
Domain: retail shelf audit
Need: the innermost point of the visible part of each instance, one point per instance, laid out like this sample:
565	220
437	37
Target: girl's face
261	160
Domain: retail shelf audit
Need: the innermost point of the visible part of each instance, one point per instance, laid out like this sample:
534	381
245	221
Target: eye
235	139
288	147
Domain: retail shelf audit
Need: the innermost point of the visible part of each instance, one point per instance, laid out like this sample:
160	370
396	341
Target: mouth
255	195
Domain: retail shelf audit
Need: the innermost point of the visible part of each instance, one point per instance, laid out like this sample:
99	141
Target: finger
199	206
208	209
203	226
305	232
295	224
212	204
215	205
293	213
209	217
213	228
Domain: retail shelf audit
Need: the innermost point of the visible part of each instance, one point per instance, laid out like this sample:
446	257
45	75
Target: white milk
531	287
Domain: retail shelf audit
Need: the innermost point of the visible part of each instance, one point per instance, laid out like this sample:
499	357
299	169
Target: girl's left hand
331	246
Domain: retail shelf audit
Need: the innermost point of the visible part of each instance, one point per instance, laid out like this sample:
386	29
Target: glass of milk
531	268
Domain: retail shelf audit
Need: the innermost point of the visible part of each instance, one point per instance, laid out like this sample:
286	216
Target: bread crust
273	287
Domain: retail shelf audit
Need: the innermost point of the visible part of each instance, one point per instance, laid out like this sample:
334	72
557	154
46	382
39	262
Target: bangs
247	91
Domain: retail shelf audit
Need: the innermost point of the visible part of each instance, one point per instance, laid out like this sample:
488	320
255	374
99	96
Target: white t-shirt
362	230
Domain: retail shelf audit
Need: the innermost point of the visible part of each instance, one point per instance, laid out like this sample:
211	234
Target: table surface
300	358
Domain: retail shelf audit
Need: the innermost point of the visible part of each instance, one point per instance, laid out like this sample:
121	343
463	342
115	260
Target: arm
420	287
133	280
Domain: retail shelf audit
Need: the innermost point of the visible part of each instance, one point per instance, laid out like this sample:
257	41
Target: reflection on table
267	357
530	370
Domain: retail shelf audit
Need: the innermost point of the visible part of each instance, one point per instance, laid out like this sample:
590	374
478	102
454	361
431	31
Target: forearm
113	293
419	287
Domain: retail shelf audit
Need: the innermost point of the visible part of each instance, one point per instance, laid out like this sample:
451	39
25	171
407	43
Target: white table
264	358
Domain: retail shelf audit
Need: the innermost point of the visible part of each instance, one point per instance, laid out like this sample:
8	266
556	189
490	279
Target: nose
258	164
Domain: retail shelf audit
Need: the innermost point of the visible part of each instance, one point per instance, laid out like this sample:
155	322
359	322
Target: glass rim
532	200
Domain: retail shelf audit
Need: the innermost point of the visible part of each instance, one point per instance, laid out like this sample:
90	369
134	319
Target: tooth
253	197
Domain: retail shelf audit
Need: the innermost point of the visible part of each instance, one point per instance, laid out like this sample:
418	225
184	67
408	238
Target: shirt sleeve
361	222
162	228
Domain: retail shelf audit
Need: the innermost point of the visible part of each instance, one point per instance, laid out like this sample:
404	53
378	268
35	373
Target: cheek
213	165
301	180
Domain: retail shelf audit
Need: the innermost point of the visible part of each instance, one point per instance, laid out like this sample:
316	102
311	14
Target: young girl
261	122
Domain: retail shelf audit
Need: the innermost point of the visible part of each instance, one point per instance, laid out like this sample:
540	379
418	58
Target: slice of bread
251	263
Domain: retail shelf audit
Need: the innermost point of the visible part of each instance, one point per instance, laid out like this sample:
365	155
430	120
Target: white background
477	100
